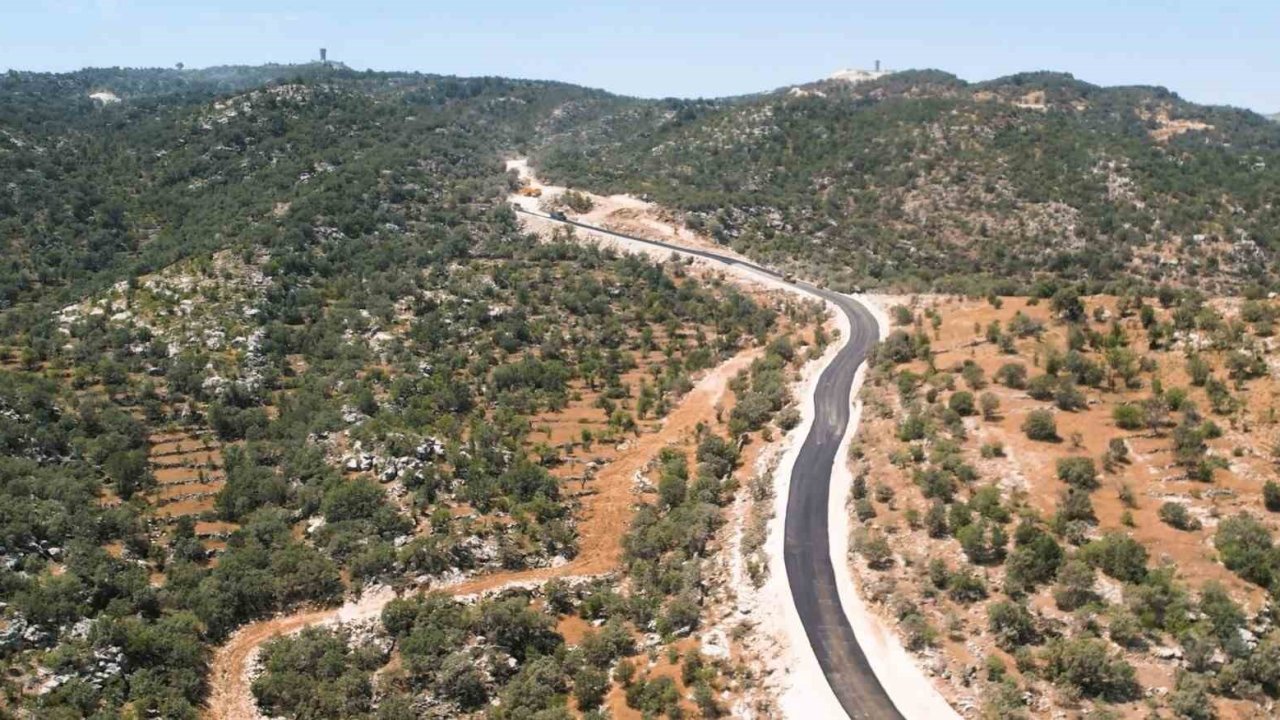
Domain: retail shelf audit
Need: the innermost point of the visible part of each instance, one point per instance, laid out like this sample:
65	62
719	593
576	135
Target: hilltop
910	180
919	179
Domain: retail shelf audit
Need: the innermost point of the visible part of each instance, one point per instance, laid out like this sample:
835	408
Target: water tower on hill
324	56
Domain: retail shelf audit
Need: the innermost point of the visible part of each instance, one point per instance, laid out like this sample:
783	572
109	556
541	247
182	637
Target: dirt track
606	513
229	692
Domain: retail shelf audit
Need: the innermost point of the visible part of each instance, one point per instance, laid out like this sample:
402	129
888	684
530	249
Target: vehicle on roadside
559	215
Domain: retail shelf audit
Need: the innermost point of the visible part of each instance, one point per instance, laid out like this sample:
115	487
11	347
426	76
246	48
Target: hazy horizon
1219	55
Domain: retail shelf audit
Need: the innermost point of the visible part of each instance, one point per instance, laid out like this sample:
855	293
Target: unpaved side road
837	657
805	692
605	517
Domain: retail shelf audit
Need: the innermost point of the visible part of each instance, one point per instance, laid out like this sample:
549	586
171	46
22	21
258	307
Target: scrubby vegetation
922	180
1049	535
273	336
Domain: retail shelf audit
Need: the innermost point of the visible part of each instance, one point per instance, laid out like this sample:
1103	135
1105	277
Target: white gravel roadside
803	691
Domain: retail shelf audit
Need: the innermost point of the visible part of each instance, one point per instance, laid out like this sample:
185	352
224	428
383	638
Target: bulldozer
530	191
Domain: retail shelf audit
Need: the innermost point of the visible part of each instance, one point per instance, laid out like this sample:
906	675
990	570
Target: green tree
1040	425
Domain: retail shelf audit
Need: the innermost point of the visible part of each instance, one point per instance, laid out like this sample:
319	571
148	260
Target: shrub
898	347
996	668
654	696
973	375
1068	397
935	520
1012	375
986	501
1074	505
1117	451
1066	303
625	673
315	674
1078	472
1263	665
590	685
990	406
982	543
1024	325
1043	387
918	633
576	201
460	681
1175	515
1012	625
1271	495
1191	701
1224	615
1128	416
1087	665
1075	586
1117	555
1160	601
1034	561
965	587
993	449
1245	546
875	549
1040	425
884	493
1176	398
1127	496
961	402
1126	630
912	427
939	573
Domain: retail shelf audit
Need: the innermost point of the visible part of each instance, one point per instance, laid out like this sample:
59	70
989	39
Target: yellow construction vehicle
530	191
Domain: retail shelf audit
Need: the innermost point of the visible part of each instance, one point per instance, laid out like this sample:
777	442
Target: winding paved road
806	543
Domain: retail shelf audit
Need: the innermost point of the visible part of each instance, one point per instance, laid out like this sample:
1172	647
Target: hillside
276	349
274	339
918	179
1043	487
185	162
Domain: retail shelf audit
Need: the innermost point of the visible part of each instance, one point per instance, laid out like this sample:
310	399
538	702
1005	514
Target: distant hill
217	284
919	179
911	179
112	171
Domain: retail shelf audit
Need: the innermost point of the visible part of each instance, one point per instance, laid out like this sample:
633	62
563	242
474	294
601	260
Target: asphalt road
806	542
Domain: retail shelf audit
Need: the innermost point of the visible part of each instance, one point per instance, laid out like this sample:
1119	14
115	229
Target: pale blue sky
1214	52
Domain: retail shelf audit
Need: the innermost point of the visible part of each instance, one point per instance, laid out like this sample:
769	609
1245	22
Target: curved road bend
806	540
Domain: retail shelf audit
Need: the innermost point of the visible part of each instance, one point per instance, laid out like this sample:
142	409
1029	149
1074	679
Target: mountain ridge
949	179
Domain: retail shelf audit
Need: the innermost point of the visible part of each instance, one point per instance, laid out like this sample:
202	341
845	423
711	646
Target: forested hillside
273	335
920	180
184	163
